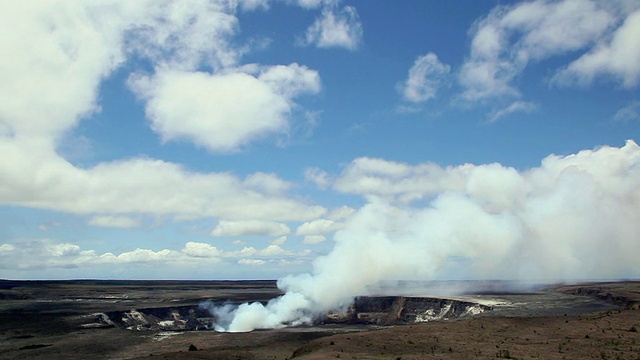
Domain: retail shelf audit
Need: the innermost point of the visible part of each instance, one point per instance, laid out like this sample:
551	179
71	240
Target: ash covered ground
129	319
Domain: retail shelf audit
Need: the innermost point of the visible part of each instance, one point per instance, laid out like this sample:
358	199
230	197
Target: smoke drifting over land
573	217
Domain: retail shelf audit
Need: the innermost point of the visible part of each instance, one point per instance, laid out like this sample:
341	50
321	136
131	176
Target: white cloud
514	107
64	250
313	239
201	250
140	255
341	213
7	247
73	46
114	221
628	113
271	251
493	186
318	226
618	58
278	241
274	250
48	254
291	80
218	112
317	176
510	37
251	262
250	227
425	77
223	112
183	35
33	175
336	28
25	255
254	4
266	183
312	4
54	83
398	181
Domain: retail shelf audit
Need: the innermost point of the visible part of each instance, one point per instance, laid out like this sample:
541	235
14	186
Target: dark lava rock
193	348
35	346
394	310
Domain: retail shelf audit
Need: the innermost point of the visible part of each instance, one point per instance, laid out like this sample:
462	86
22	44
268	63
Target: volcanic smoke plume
573	217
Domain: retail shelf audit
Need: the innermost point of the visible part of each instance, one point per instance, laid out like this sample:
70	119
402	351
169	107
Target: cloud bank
29	254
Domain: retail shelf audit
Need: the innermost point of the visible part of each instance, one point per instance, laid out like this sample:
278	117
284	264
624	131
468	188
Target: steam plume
573	217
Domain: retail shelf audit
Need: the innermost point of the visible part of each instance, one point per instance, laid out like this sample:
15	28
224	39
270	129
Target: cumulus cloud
223	112
140	255
29	254
53	81
398	181
341	213
251	262
250	227
318	226
184	105
425	77
271	251
54	84
185	35
201	250
274	250
510	37
278	241
336	27
64	250
317	177
313	239
618	58
33	175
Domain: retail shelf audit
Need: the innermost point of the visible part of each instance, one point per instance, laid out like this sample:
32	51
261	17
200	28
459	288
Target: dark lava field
137	319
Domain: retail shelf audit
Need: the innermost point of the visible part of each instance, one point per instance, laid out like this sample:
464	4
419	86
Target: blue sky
234	139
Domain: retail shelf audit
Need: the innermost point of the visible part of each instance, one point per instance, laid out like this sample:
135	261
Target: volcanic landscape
170	320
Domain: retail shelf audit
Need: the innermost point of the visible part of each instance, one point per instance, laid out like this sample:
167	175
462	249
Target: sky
253	139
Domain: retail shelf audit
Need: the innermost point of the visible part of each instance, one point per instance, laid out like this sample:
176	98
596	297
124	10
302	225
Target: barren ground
35	324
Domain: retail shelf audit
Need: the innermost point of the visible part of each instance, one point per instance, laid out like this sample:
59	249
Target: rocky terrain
123	320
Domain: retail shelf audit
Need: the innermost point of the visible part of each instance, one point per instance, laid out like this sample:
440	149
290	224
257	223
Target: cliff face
181	318
379	310
390	310
624	294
